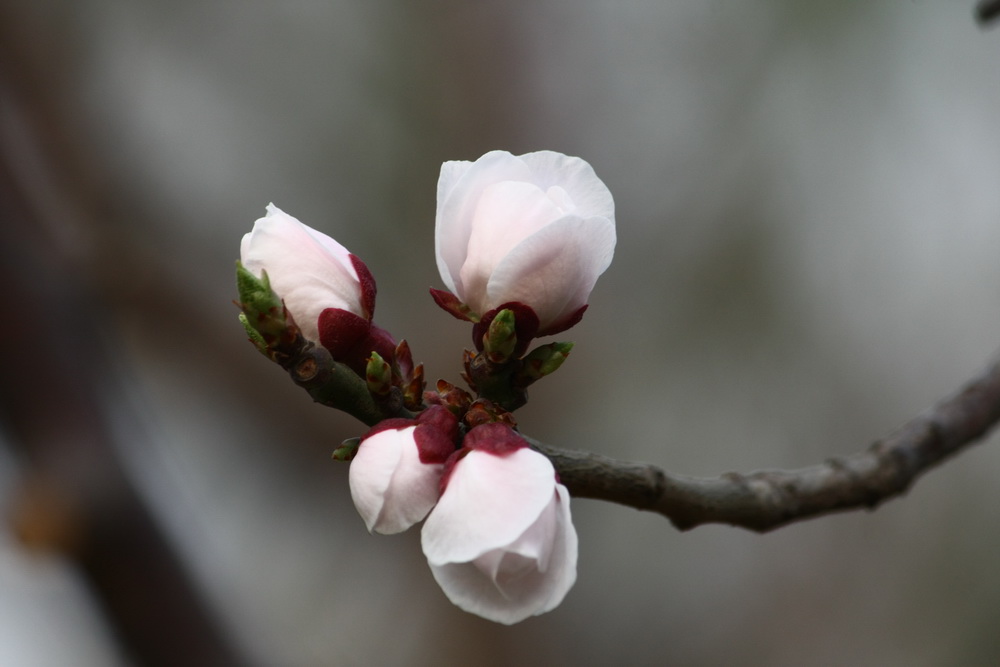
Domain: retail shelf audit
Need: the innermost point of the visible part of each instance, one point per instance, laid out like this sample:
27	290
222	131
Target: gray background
808	229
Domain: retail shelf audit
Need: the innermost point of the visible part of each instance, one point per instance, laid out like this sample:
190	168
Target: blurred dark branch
765	500
57	388
987	11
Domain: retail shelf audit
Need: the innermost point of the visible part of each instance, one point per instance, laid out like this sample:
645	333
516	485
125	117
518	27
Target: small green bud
255	337
263	308
501	337
378	373
543	360
347	450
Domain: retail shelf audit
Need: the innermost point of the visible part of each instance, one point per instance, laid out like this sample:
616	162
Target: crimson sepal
450	304
525	325
404	360
396	423
367	282
436	434
378	340
495	438
340	330
566	322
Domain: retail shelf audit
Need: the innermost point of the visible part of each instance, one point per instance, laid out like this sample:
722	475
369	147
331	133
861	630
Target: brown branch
987	11
765	500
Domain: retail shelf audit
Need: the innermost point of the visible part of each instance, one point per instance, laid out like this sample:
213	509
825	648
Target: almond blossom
395	476
500	541
329	292
534	230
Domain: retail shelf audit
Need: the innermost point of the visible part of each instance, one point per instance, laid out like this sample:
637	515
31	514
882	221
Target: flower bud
543	360
500	541
501	337
329	292
396	471
378	374
536	229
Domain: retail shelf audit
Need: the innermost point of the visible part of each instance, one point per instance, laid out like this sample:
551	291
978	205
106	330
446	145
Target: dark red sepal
450	304
525	325
377	340
404	360
340	330
495	438
436	434
367	282
564	323
440	417
396	423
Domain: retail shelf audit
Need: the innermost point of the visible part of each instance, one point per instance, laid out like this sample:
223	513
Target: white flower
395	476
310	271
537	229
501	542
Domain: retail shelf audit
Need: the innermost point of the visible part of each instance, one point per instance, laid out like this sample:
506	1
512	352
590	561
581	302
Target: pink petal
391	488
459	188
588	192
530	577
308	269
506	214
555	269
489	502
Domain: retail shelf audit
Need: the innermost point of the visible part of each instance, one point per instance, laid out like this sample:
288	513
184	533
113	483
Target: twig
765	500
987	11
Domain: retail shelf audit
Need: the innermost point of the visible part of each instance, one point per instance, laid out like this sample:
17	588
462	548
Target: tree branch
987	11
765	500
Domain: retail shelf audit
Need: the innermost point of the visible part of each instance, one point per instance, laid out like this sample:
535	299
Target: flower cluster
520	243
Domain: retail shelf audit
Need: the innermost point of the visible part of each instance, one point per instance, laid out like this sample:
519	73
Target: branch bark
987	11
764	500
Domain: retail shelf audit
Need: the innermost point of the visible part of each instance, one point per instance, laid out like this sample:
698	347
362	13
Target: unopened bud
347	450
483	411
542	361
254	336
456	399
500	339
261	305
378	373
413	391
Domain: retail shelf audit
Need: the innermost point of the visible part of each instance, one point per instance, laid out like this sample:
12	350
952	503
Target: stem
765	500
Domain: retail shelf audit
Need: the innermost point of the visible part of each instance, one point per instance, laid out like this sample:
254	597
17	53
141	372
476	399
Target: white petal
588	192
488	503
509	585
391	488
507	213
459	188
554	269
307	268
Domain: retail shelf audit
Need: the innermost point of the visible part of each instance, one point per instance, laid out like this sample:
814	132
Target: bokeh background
808	206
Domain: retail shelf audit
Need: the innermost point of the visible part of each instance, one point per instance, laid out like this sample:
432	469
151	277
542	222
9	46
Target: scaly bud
347	450
500	338
543	360
483	411
378	373
413	391
456	399
404	360
254	336
261	306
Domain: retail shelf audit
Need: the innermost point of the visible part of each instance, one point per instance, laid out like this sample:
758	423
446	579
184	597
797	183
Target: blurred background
808	220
